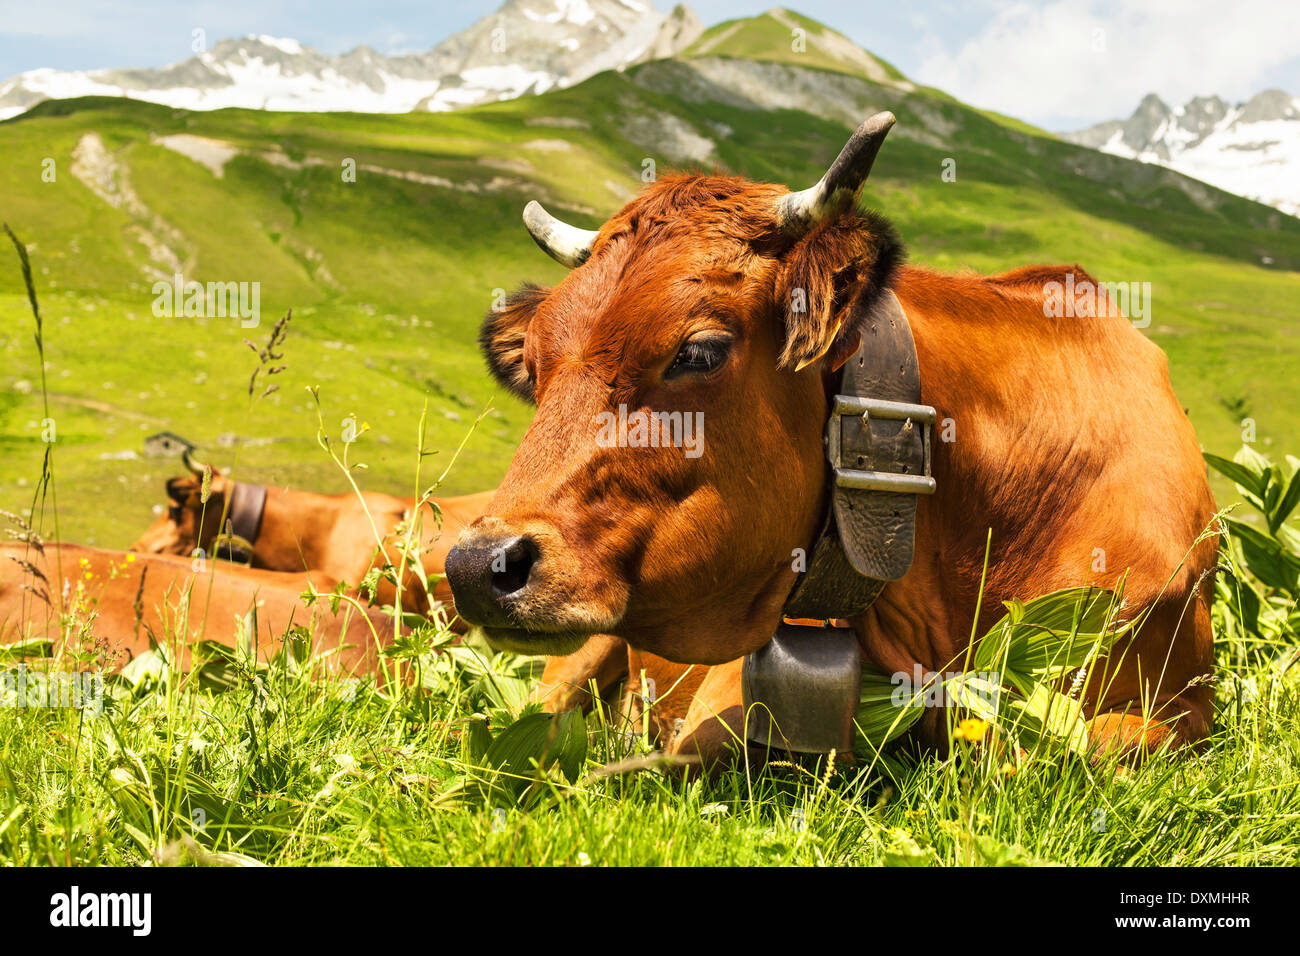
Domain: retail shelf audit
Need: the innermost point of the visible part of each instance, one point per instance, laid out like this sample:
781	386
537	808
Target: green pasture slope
389	276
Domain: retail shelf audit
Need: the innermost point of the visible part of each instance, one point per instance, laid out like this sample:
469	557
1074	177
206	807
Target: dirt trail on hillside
99	171
212	153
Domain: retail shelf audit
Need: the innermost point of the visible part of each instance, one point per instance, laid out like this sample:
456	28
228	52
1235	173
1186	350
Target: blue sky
1058	63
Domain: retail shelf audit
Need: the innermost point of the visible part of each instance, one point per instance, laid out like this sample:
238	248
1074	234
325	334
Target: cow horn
197	467
567	245
799	212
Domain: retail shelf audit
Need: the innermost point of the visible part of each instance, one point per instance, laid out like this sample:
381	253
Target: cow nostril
511	566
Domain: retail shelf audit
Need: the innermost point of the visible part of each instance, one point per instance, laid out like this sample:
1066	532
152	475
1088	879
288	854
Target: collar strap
815	622
243	522
801	689
878	460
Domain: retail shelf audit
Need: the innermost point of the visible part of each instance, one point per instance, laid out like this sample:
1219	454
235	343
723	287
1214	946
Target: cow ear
179	489
502	339
188	492
827	284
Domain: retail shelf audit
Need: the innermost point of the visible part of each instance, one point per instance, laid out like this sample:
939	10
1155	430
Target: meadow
389	275
236	764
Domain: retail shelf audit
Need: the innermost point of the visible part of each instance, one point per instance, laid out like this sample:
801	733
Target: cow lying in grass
338	535
111	603
740	301
302	531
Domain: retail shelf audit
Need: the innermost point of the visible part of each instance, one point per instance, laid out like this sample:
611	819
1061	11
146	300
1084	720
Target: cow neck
877	439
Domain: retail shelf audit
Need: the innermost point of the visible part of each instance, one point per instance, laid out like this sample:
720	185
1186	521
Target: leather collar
243	522
878	460
802	689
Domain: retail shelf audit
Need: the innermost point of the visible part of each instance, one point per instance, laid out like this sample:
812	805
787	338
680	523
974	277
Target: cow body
1093	481
114	602
739	302
1070	447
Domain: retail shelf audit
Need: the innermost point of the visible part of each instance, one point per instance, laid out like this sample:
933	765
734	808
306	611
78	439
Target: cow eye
699	356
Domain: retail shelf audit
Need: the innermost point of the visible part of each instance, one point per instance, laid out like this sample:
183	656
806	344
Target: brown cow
335	534
301	530
123	598
1068	444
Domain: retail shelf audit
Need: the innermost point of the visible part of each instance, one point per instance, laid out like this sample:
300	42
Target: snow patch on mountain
526	46
1251	148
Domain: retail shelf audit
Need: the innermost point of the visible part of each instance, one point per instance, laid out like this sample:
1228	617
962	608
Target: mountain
1251	148
391	235
527	46
783	36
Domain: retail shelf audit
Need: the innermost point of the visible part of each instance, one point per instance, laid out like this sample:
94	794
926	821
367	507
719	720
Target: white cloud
1072	63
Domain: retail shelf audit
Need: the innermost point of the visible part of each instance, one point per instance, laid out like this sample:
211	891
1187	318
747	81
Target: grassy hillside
389	275
772	37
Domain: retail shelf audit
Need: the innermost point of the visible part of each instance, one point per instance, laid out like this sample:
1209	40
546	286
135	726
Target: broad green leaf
246	637
504	691
1051	633
1241	598
1251	459
1287	503
1052	717
28	647
144	669
570	747
476	741
517	747
1273	489
1289	538
976	694
1250	482
905	851
993	852
885	712
1265	557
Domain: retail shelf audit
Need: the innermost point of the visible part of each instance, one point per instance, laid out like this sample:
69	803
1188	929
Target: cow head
190	522
681	371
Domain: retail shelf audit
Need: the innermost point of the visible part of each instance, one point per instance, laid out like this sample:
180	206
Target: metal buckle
879	480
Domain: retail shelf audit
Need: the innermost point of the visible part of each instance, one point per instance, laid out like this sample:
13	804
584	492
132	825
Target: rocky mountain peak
1269	105
1251	148
525	46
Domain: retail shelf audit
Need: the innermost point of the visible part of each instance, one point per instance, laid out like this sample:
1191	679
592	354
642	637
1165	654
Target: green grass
280	769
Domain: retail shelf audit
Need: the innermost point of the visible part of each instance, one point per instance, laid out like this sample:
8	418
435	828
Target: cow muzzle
488	578
525	588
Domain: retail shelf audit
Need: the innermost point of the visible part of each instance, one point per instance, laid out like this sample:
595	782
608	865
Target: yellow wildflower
971	728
